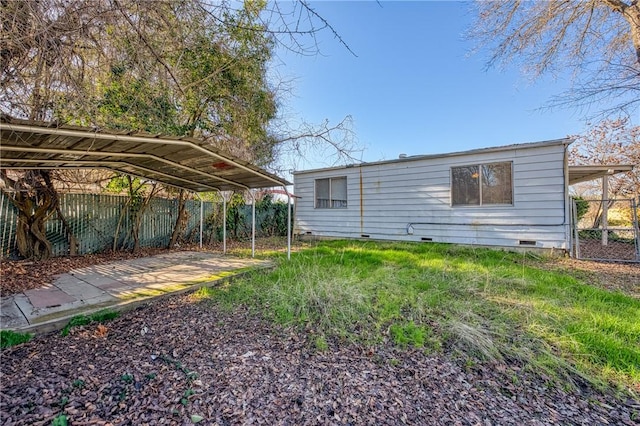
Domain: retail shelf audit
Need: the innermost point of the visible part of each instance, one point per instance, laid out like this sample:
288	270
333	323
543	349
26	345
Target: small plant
190	375
79	320
408	334
10	338
185	397
127	378
63	401
60	420
321	344
78	383
582	207
151	376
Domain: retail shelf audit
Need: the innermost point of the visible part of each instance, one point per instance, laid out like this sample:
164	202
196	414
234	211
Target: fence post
576	232
605	209
634	210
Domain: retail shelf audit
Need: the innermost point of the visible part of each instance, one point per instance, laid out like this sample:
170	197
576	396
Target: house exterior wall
384	198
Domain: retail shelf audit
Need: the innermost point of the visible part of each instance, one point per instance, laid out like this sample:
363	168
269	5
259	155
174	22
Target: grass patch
483	304
80	320
10	338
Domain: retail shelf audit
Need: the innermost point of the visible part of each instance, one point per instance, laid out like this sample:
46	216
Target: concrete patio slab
117	286
48	297
11	316
79	289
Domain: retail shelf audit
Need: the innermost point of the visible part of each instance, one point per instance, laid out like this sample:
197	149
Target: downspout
568	208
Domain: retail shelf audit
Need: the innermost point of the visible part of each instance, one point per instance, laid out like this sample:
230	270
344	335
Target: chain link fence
605	230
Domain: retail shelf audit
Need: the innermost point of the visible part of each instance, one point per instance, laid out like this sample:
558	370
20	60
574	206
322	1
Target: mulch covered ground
180	361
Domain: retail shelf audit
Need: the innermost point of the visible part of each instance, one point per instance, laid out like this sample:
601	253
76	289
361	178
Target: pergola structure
578	174
181	162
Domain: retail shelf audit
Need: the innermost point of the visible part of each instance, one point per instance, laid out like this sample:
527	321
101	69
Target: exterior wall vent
426	239
527	242
364	235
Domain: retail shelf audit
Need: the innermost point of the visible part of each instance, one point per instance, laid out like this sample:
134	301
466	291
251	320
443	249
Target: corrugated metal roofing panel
183	162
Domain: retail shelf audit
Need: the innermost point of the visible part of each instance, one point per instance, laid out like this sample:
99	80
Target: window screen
482	184
465	186
496	184
331	193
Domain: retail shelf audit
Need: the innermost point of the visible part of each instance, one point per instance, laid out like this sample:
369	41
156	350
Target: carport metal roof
181	162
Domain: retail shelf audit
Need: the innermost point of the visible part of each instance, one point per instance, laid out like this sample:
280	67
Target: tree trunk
180	222
139	211
35	206
632	14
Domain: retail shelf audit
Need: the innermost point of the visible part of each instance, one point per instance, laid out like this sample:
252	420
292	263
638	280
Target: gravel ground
180	361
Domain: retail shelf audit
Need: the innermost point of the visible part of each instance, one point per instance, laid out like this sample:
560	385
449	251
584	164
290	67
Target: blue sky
414	87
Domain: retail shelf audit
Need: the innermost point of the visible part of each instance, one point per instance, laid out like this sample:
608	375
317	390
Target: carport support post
253	225
288	222
224	223
201	214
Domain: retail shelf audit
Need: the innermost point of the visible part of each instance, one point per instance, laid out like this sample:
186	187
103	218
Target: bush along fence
606	230
100	222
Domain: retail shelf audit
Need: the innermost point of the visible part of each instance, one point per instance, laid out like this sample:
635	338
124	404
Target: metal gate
605	230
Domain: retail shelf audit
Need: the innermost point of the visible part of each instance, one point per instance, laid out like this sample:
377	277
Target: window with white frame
482	184
331	193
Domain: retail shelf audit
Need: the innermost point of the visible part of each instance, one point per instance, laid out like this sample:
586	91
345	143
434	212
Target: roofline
526	145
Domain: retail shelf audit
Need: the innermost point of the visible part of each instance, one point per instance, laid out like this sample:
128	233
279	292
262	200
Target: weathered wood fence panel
96	220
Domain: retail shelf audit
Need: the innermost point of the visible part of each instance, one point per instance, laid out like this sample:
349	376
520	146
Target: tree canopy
598	40
177	67
612	141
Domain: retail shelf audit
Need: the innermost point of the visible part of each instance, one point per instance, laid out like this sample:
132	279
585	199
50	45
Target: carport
182	162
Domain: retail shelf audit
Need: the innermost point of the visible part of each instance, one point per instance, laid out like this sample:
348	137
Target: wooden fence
97	220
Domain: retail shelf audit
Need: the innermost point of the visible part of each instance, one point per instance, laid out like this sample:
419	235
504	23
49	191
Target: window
331	193
481	184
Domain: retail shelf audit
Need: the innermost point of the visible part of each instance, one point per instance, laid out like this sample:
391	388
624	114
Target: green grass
477	303
98	317
10	338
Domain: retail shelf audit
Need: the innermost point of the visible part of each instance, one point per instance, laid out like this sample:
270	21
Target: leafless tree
609	142
598	40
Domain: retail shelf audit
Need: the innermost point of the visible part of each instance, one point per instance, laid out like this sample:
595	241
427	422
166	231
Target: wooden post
605	208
